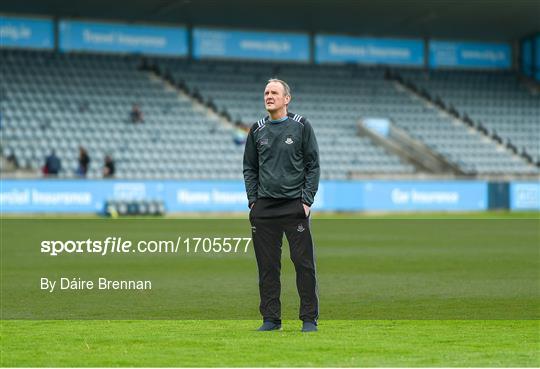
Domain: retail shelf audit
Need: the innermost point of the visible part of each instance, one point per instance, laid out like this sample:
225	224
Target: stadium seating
497	100
334	98
63	101
54	101
326	96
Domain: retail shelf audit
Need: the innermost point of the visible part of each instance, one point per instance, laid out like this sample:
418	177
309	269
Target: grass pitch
340	343
463	293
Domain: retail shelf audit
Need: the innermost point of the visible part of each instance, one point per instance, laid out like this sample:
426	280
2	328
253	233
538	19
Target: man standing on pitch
281	173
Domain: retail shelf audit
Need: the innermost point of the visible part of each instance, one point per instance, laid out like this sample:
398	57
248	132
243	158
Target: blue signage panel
26	33
425	196
339	196
525	196
212	43
443	54
362	50
122	38
89	196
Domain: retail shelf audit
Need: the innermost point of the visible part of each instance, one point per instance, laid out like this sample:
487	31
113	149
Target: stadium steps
409	87
411	150
438	98
210	111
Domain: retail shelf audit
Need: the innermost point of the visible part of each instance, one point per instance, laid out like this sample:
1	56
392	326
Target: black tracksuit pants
270	218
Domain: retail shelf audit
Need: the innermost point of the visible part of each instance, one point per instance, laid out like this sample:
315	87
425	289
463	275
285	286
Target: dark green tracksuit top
281	160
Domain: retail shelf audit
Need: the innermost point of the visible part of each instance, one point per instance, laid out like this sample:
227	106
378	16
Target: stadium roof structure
489	20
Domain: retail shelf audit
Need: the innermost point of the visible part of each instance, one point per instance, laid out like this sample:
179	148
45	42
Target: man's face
274	97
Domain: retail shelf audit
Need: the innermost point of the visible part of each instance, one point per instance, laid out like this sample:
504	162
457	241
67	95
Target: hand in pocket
307	210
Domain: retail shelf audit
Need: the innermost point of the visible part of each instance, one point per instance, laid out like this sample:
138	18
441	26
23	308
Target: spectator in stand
84	162
136	114
13	163
108	167
240	133
52	166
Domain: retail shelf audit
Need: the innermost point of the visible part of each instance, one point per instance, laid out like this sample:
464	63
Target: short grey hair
286	87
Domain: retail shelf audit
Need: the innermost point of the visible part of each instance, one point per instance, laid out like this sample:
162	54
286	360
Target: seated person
136	114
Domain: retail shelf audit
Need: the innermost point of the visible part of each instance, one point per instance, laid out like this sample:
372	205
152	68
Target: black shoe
269	326
309	327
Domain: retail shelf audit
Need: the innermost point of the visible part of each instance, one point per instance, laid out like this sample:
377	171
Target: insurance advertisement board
89	196
365	50
122	38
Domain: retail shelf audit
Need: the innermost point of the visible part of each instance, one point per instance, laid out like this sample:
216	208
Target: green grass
235	343
424	290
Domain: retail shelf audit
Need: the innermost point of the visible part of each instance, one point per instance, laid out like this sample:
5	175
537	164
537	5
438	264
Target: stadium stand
55	101
335	98
62	101
236	88
496	101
